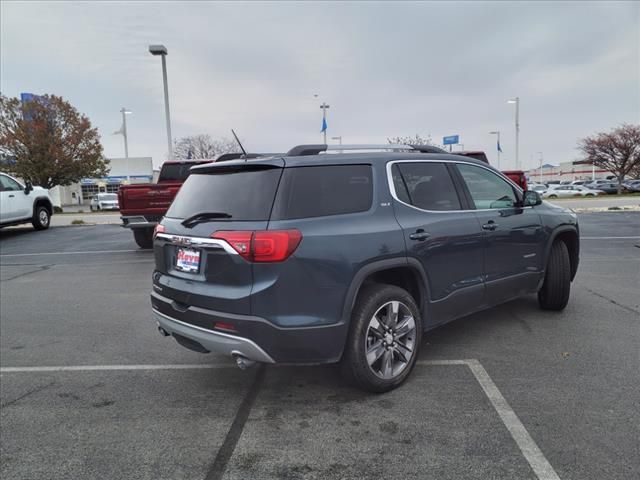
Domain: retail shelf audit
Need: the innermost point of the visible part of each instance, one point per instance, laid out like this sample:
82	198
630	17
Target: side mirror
28	187
531	198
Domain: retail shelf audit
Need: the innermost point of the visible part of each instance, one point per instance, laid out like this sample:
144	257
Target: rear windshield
323	190
244	195
174	172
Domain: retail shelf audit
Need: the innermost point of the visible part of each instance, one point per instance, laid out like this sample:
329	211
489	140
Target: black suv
319	257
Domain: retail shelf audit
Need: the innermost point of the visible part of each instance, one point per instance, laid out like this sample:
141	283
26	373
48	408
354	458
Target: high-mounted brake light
262	245
158	229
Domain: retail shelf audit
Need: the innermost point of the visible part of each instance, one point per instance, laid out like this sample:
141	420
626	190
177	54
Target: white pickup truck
23	204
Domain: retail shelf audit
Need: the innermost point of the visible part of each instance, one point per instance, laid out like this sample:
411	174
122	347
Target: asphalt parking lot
90	390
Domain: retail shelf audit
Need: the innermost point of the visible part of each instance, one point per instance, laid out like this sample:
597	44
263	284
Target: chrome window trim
392	188
201	242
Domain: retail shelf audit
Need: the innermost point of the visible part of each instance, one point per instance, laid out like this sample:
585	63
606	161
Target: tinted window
487	189
174	172
245	195
399	185
324	190
428	186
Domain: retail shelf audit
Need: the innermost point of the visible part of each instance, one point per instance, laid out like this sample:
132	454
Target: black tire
554	294
41	217
354	364
143	237
553	196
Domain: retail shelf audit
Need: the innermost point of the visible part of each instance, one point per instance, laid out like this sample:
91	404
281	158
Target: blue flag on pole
324	125
499	149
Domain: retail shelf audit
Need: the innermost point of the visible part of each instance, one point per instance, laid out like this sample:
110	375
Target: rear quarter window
320	191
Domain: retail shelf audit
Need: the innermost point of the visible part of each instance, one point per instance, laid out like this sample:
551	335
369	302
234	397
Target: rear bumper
212	341
255	338
140	221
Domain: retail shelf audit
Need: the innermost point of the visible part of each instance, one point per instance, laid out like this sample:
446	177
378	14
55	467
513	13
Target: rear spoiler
225	157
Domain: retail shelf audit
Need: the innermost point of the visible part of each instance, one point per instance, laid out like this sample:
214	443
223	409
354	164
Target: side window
399	185
306	192
8	184
426	185
487	189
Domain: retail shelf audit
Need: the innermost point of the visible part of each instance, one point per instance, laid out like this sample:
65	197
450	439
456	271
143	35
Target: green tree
617	151
50	141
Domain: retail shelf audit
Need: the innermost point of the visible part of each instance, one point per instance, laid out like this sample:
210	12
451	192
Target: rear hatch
201	271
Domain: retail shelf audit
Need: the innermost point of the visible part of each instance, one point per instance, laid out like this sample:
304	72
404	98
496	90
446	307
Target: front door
513	234
16	204
444	238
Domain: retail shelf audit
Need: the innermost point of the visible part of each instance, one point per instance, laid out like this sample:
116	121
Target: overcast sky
386	69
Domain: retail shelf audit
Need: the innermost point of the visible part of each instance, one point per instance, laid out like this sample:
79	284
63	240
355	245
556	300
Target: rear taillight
158	229
262	245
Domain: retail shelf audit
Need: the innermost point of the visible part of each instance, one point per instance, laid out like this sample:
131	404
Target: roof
335	159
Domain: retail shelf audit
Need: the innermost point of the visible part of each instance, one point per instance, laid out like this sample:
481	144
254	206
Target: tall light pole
540	170
324	108
337	138
498	147
124	113
517	102
162	51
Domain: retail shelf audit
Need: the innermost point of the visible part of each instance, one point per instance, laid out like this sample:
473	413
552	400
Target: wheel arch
43	201
404	272
569	235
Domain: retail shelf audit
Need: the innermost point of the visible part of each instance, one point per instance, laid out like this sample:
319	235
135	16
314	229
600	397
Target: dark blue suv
319	257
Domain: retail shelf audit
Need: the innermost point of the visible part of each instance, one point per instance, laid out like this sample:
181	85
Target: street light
517	102
123	132
498	147
337	138
162	51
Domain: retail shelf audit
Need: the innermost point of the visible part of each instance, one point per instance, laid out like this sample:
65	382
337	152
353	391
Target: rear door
442	235
513	234
201	271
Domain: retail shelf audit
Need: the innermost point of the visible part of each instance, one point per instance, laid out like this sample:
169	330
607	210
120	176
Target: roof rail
303	150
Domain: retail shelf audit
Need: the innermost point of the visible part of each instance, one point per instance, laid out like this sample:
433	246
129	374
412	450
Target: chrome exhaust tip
243	362
163	332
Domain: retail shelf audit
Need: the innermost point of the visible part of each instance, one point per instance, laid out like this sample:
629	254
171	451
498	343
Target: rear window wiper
193	220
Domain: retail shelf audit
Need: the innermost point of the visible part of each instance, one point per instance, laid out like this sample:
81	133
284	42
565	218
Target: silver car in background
567	191
104	201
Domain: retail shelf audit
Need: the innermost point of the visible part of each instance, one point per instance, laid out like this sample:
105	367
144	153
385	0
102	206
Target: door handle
419	235
11	196
490	225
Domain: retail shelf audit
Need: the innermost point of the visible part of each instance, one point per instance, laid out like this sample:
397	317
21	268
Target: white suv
23	203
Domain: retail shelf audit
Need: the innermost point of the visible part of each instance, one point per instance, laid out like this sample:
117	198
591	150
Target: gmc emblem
181	240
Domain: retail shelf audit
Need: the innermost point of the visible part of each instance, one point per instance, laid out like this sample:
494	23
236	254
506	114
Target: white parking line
65	253
538	462
94	368
540	465
610	238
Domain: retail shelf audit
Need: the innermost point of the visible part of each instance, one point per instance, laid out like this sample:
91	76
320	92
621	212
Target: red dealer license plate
188	260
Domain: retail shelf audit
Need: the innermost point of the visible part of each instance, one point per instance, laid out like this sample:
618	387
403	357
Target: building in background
122	171
567	171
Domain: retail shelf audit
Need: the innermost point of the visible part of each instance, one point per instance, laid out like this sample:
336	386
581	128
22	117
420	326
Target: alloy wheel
390	340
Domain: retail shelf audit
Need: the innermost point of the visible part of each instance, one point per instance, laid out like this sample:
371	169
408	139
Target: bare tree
203	146
417	140
49	142
617	151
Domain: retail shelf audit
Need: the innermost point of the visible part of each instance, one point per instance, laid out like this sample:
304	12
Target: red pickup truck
143	205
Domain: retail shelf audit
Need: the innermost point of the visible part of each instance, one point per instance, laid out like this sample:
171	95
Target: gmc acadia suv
318	257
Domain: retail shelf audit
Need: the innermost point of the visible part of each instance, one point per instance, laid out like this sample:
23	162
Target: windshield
108	196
